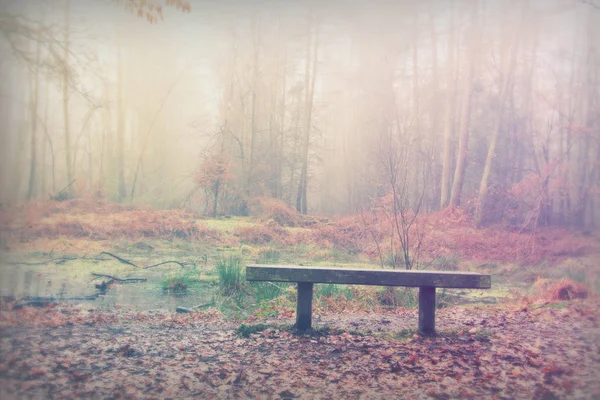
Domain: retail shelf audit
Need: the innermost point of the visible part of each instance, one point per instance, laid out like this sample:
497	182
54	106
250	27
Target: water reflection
50	281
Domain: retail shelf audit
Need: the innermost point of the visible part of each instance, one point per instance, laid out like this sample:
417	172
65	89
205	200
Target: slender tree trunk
33	105
216	199
20	154
301	199
508	73
294	157
463	145
101	156
44	141
435	120
416	167
65	93
272	181
253	133
449	117
90	162
281	137
120	127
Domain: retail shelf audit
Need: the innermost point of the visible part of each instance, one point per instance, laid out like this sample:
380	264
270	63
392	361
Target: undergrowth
179	282
449	234
232	275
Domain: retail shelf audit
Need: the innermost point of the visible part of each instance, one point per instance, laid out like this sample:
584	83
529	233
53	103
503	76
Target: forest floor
536	334
528	351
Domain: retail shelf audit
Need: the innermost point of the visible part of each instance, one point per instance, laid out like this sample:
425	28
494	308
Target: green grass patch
333	291
227	224
179	283
231	273
264	291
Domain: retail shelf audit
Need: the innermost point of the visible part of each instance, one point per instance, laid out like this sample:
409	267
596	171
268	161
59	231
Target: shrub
270	209
177	284
347	234
231	274
261	234
566	289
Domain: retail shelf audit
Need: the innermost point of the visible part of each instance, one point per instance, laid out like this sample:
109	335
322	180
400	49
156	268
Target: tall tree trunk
506	80
434	106
416	117
45	141
253	133
280	136
33	106
122	190
449	117
463	145
216	198
301	198
65	93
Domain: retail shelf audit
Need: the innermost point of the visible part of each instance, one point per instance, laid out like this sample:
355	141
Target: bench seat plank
379	277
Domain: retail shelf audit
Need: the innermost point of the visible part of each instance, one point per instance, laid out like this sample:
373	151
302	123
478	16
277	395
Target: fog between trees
490	105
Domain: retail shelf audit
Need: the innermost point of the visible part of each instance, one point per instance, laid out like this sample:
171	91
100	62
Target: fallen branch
165	262
122	260
192	309
121	280
55	260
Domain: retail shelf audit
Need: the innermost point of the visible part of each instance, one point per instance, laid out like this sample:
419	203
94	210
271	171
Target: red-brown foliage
451	232
214	168
130	224
270	209
566	289
93	218
347	233
262	234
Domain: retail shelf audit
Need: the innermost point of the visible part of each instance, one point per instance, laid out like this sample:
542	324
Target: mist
491	106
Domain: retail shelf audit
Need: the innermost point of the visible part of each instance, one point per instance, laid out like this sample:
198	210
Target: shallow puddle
73	279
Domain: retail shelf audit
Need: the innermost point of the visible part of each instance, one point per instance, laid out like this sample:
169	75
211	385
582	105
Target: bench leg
427	310
304	308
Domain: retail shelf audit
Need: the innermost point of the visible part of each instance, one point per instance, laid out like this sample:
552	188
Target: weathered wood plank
379	277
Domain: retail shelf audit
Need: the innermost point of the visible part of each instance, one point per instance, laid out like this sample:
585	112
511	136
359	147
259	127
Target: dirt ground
539	351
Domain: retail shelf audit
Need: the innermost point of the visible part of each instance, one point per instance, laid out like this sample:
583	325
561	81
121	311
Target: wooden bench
426	281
